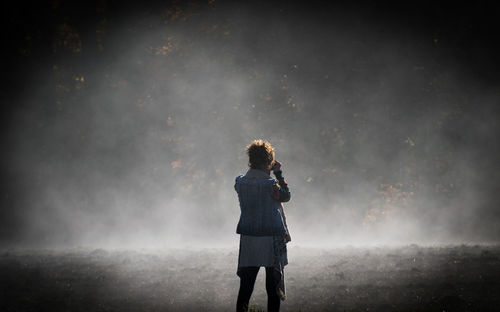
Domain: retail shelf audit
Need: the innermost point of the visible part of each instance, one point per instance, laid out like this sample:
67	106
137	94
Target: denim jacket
260	198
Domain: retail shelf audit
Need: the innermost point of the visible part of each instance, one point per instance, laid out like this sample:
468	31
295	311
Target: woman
262	225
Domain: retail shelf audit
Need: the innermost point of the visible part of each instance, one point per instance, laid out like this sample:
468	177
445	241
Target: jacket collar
256	174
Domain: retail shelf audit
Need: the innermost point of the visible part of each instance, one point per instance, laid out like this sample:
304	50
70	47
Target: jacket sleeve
281	192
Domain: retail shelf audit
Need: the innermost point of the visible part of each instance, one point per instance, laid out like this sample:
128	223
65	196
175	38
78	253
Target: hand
288	238
276	166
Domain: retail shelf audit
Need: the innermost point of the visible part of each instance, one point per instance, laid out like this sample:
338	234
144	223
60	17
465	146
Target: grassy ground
411	278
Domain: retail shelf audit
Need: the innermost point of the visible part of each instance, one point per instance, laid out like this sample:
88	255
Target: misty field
410	278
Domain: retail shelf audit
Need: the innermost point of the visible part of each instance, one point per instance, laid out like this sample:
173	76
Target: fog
128	127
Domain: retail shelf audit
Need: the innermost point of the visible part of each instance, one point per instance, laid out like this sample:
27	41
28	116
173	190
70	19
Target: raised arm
280	189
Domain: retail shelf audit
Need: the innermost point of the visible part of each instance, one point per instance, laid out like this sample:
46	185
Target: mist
127	127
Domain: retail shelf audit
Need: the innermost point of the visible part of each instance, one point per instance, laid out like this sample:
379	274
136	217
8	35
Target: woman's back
260	211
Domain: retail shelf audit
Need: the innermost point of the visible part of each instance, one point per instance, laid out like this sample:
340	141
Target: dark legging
247	281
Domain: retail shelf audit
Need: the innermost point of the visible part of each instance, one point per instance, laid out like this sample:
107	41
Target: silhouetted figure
262	226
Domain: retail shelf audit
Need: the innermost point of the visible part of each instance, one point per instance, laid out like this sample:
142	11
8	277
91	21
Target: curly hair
260	154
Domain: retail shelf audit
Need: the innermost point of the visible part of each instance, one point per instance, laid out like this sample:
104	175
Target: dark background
126	123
